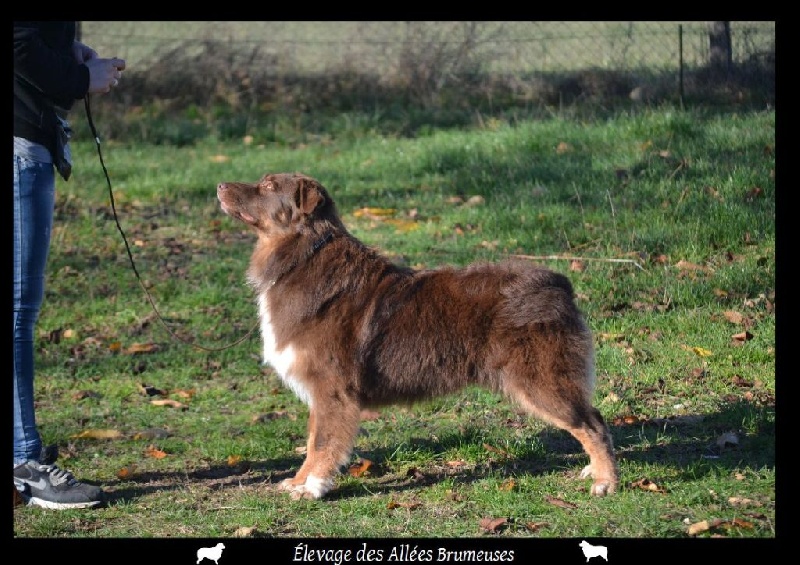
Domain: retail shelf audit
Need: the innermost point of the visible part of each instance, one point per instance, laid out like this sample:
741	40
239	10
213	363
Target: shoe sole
62	505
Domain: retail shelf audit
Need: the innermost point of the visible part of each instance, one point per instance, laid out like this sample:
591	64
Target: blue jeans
34	199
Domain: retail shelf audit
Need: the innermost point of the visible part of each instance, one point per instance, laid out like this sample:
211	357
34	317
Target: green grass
672	218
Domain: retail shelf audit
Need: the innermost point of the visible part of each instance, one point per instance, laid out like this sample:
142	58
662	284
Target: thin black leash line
130	255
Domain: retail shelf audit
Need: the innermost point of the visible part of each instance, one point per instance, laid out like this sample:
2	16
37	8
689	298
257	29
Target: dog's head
278	203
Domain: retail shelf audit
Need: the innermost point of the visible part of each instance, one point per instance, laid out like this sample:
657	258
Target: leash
130	255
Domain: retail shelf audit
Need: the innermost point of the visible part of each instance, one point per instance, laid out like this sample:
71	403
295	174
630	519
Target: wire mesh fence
380	47
306	66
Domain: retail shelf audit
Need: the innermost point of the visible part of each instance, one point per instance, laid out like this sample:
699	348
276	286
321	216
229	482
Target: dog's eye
267	186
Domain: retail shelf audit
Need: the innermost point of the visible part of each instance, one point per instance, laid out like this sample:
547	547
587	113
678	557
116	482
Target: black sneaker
50	487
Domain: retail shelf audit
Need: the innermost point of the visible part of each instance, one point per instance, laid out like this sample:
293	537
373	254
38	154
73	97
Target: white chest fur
282	360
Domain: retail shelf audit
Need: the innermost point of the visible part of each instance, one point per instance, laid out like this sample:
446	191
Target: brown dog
346	329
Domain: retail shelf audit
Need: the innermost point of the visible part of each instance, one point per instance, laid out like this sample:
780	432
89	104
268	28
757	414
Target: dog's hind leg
559	393
586	425
333	424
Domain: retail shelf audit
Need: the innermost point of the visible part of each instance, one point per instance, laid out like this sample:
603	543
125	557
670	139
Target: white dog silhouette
210	553
590	550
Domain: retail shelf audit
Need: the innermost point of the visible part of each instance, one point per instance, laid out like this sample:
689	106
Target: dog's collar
319	244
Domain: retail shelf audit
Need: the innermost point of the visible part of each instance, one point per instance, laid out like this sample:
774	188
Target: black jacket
47	78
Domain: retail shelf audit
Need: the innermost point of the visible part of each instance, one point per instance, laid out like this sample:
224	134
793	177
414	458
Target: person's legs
38	480
34	198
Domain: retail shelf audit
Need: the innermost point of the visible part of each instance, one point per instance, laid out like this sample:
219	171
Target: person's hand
83	52
104	74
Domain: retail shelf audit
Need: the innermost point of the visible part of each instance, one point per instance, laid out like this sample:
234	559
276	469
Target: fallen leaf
699	527
359	468
152	433
415	473
261	418
507	485
98	434
219	158
563	147
688	266
742	337
233	460
169	402
611	336
577	266
753	193
137	348
705	525
626	420
493	524
126	472
534	526
402	226
244	532
497	450
187	394
154	452
648	485
733	317
374	213
700	351
409	505
698	372
559	502
739	501
114	346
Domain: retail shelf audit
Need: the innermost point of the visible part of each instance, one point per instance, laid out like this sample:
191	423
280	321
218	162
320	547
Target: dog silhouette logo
590	550
210	553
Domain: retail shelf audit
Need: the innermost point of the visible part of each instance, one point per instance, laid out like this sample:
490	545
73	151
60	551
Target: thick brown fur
347	329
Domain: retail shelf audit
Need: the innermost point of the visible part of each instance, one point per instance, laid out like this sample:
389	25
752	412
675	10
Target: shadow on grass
690	445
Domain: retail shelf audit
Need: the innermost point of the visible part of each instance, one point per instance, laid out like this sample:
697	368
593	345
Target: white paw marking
313	488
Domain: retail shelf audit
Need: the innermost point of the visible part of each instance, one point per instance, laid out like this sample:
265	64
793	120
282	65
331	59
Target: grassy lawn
664	220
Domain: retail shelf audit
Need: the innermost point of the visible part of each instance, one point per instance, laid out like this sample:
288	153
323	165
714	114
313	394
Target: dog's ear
310	195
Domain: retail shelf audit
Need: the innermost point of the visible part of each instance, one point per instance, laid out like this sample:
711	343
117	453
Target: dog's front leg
332	427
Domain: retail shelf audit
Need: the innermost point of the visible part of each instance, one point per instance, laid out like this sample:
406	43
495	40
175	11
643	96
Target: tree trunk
721	50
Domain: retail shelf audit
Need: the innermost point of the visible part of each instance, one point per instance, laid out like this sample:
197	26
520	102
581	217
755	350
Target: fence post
680	64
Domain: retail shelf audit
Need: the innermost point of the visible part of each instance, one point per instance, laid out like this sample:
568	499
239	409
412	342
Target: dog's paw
602	488
314	488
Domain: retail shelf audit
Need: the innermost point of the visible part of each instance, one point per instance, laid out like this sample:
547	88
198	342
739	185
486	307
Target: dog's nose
221	187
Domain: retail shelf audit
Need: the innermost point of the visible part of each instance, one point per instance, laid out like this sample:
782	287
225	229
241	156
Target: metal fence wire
430	55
